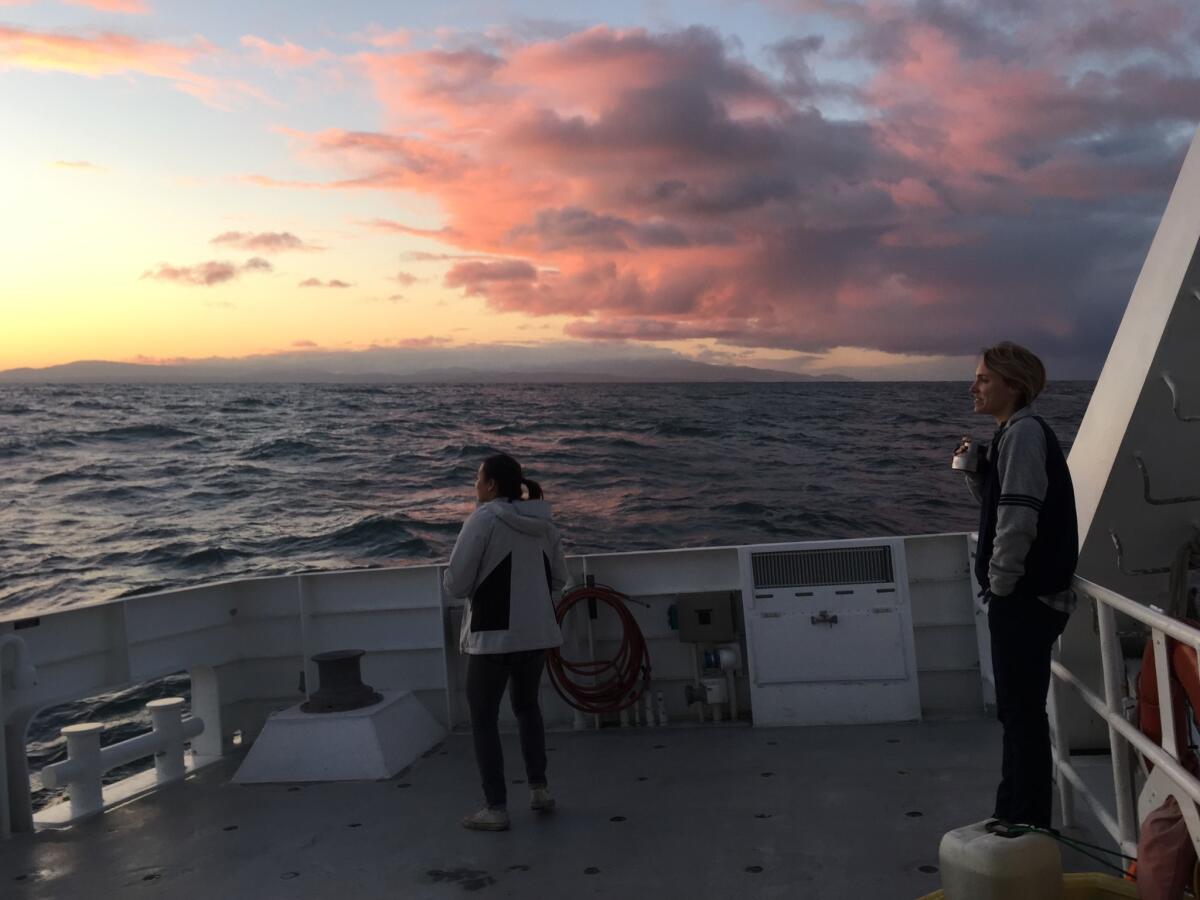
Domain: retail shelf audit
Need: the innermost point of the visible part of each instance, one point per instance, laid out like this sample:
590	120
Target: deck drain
772	743
404	784
355	825
230	828
642	778
591	870
928	870
660	746
152	876
767	774
762	815
902	771
518	867
21	878
753	870
293	790
288	876
914	814
893	740
617	819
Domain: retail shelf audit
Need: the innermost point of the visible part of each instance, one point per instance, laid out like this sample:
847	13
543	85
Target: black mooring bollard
341	687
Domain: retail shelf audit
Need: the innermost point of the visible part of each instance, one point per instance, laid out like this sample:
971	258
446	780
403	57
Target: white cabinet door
861	645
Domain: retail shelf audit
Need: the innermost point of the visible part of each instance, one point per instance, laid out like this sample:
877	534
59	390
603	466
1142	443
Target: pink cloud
476	277
387	39
78	165
331	283
286	55
117	6
262	242
386	226
657	186
105	54
206	274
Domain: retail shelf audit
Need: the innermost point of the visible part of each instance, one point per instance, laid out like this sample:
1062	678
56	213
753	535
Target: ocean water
112	490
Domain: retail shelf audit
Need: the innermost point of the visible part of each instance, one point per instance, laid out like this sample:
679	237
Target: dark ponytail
506	472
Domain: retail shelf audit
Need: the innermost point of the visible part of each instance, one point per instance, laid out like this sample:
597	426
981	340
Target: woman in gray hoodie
508	564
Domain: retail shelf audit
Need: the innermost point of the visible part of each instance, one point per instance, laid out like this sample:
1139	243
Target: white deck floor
715	812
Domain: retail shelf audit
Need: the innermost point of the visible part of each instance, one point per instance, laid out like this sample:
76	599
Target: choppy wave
146	432
373	536
280	448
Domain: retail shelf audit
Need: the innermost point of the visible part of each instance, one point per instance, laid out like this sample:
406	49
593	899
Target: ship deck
714	812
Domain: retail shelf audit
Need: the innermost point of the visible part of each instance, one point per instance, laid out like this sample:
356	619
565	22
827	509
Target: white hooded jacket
508	564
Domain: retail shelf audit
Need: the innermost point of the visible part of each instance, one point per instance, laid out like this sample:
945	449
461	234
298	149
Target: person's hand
963	443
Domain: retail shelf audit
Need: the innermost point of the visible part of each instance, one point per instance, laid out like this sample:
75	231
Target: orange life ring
1185	672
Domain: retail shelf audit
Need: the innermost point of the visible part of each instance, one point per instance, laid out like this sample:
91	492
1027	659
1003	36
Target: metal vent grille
810	568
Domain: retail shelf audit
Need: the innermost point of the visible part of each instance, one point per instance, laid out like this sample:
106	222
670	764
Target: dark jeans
1023	633
487	675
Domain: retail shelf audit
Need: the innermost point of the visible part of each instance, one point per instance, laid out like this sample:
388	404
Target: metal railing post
1162	677
1110	658
1062	750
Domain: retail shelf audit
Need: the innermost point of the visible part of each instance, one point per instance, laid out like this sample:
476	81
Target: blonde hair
1021	369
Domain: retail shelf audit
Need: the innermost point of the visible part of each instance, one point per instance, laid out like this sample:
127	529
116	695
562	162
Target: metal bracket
1176	399
1157	570
823	618
1156	501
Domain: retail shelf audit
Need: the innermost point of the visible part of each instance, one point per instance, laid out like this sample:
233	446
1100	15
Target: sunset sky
877	188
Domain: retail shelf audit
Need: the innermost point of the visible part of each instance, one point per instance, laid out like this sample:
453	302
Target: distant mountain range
290	370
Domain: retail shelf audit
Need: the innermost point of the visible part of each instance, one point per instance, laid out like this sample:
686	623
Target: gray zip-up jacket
1020	458
508	563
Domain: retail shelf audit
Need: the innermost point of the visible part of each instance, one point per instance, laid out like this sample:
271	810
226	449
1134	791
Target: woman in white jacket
508	564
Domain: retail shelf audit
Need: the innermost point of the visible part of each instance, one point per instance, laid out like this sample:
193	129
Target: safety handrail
1123	734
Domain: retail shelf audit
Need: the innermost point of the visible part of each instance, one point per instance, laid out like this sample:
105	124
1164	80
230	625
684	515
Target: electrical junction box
705	618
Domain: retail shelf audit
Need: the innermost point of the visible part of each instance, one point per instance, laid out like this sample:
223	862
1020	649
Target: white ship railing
245	645
1123	734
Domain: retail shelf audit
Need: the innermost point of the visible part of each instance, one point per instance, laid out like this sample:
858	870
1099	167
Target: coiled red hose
603	686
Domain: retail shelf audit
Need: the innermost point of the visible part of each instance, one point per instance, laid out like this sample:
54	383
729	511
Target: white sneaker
540	799
489	818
